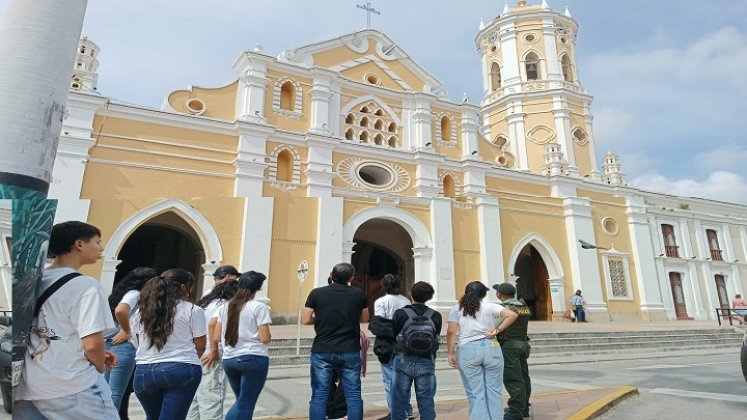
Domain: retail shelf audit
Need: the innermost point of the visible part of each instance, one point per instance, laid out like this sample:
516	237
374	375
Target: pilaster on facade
491	245
646	273
562	117
554	73
510	54
321	100
330	249
470	125
250	164
422	121
426	173
584	263
474	184
319	170
256	239
589	119
251	68
443	255
517	136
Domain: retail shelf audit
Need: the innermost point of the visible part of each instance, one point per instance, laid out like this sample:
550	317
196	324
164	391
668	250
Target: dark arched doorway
164	242
533	283
381	247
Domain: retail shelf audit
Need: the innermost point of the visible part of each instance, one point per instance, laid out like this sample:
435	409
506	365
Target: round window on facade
377	176
609	226
530	38
372	79
196	106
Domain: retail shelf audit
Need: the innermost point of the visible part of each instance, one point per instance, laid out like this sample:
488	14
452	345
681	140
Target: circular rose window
375	175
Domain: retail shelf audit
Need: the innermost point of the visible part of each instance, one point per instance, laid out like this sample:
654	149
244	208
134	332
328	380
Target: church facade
344	150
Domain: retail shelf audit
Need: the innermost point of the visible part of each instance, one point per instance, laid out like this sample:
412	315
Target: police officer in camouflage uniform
515	354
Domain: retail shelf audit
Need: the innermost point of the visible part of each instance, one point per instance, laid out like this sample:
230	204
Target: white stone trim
452	143
206	234
613	255
256	241
297	111
329	238
357	103
272	169
457	183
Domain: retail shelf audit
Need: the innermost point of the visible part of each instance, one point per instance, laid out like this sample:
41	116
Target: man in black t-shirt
336	312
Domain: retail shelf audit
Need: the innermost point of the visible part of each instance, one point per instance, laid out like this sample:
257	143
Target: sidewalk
572	405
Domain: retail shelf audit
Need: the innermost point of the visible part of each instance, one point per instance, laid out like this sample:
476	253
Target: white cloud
611	127
720	185
726	157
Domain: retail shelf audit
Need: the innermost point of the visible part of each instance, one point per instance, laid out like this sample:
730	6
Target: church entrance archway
533	283
163	242
381	247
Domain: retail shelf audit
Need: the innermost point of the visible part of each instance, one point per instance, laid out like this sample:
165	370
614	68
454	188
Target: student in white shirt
477	355
172	338
66	356
120	340
208	402
245	330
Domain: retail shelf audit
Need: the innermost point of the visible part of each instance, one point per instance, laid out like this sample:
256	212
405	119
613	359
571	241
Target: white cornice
154	116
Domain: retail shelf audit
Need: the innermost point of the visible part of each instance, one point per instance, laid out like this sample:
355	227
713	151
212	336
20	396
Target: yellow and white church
341	151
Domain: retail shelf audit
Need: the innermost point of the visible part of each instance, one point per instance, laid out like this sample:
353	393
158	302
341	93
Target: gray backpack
419	336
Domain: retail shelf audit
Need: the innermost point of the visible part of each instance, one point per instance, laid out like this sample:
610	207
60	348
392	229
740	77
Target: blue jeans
421	371
119	376
94	403
580	313
481	367
166	390
246	375
386	376
323	366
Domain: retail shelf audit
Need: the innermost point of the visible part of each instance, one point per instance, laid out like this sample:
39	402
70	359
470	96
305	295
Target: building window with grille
670	242
617	275
713	245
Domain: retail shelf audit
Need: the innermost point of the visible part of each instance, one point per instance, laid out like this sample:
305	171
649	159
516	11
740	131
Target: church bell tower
533	95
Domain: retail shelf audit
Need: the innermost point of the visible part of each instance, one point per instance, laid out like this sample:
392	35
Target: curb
603	404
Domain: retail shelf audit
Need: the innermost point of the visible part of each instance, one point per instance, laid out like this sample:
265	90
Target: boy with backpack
418	330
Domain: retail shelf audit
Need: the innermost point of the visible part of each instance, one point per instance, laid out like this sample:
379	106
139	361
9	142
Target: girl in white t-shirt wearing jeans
120	340
211	394
477	355
245	331
172	339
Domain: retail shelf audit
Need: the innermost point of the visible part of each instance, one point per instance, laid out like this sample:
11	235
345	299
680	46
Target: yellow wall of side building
293	240
220	102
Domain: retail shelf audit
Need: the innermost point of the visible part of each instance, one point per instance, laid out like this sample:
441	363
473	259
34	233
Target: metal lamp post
303	272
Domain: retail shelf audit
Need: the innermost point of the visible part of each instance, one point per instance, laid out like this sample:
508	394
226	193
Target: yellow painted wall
299	125
359	73
502	185
220	102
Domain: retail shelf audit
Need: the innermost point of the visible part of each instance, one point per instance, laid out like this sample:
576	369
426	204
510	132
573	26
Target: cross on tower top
369	9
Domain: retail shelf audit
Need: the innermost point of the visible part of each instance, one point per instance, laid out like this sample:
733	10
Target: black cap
476	288
252	280
506	289
225	270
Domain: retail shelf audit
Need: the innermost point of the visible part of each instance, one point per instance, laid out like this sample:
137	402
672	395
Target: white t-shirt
471	329
211	311
189	323
129	299
76	310
387	304
253	314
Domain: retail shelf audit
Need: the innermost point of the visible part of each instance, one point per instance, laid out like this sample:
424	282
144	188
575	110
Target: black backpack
419	336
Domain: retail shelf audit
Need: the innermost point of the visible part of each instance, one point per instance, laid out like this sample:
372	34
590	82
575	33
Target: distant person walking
418	331
245	330
515	348
381	326
578	303
739	305
211	394
66	355
476	354
336	311
172	339
120	340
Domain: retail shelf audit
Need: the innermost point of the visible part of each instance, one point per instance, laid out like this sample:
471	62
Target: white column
647	280
554	72
584	262
38	40
562	117
510	54
250	159
517	135
329	246
108	270
727	245
321	95
474	184
491	245
557	294
253	82
207	281
469	126
256	239
487	63
426	173
319	170
422	120
442	277
347	251
589	119
72	209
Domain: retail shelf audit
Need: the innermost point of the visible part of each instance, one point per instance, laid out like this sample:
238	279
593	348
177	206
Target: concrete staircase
560	344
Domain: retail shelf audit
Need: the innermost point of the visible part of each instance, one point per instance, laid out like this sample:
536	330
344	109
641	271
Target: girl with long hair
477	355
120	340
172	339
245	330
208	402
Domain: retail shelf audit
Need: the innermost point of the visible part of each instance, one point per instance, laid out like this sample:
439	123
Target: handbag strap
53	288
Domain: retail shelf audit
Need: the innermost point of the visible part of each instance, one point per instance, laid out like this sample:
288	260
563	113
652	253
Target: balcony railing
672	251
716	255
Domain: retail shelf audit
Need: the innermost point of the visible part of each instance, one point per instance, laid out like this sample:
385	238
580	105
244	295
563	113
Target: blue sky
668	76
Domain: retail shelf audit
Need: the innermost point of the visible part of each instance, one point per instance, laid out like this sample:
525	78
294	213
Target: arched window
392	141
445	128
379	125
495	76
349	134
287	96
364	137
364	122
350	119
449	189
531	64
565	62
393	128
285	166
379	139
